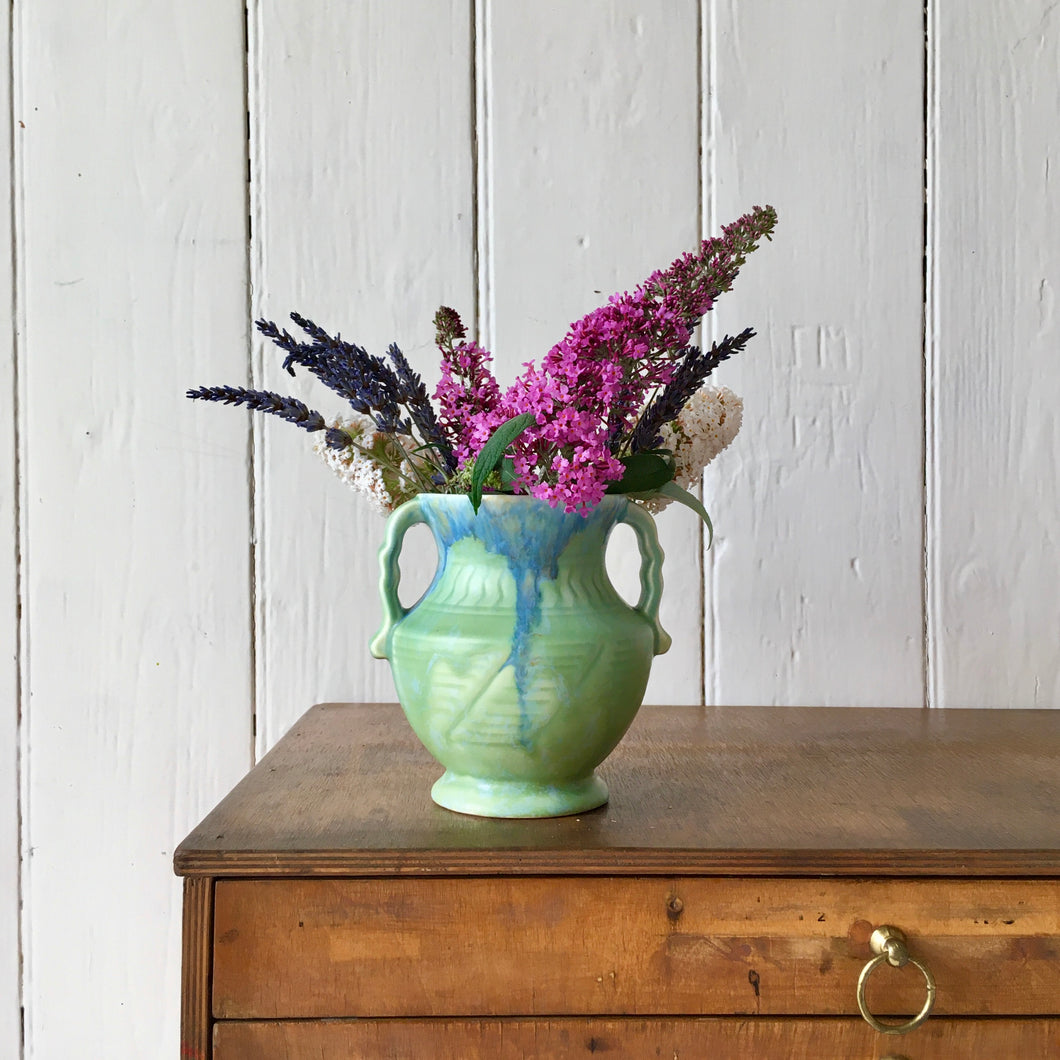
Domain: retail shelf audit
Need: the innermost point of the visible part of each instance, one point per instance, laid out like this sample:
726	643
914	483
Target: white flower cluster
369	466
704	427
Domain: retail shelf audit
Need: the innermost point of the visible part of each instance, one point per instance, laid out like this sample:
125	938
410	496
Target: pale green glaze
521	667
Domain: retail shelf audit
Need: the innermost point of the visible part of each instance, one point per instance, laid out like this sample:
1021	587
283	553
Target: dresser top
694	791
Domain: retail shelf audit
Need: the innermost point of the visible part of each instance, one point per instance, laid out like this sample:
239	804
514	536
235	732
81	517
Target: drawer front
298	948
631	1039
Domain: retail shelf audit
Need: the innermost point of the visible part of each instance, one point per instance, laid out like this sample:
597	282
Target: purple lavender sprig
365	381
297	352
690	374
413	395
290	409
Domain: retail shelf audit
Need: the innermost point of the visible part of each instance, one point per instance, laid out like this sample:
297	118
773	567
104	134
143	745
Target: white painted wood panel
133	287
364	222
10	986
995	545
592	136
817	581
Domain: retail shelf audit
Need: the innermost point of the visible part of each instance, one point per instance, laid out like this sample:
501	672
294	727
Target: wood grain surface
630	1039
317	948
788	791
196	968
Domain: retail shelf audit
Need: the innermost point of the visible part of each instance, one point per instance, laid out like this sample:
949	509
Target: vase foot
517	798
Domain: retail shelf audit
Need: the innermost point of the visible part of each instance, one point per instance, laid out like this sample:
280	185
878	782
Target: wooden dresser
720	906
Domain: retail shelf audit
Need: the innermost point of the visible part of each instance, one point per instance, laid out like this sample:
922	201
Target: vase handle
399	523
651	562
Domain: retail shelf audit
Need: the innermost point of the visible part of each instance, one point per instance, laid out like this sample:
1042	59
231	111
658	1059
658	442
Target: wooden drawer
649	946
631	1039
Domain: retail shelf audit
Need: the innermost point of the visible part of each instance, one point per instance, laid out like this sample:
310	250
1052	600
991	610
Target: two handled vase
520	668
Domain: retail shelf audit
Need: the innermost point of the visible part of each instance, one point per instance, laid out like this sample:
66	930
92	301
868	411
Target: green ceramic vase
521	667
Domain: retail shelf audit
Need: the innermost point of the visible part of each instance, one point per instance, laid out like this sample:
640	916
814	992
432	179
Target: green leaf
689	500
644	472
508	475
494	450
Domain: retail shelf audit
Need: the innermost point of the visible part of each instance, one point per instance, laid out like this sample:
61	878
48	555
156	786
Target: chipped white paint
886	521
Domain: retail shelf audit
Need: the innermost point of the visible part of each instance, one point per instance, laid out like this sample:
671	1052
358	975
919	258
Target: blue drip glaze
531	537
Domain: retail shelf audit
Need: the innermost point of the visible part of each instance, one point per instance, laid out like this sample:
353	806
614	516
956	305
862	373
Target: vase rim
513	498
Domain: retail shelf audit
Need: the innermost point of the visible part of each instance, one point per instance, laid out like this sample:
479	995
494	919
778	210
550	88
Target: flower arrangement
619	405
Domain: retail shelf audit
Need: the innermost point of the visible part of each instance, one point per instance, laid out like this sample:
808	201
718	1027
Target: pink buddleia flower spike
467	393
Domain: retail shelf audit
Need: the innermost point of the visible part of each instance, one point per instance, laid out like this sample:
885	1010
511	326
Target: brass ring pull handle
888	943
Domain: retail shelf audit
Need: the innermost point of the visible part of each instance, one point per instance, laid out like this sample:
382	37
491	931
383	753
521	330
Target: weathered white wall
179	584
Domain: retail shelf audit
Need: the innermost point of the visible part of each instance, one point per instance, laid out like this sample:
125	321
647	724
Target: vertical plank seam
19	508
705	571
708	160
929	400
255	438
248	313
473	15
482	193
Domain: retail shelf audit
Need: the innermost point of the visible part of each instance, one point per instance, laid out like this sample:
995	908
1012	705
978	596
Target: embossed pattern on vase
520	623
520	668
